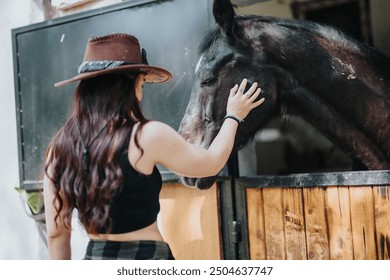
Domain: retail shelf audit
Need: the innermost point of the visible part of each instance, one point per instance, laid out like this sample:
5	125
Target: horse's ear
224	15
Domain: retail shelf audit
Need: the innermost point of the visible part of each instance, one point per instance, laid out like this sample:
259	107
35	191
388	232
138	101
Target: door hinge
236	232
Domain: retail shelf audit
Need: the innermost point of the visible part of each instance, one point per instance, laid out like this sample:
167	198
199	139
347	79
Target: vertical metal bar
234	172
241	216
227	218
18	103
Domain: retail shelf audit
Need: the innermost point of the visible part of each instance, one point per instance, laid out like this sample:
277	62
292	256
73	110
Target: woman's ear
139	82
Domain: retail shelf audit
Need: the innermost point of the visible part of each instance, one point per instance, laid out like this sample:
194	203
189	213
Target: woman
102	162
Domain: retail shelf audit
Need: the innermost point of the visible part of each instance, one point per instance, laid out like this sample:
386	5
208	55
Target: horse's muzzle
200	183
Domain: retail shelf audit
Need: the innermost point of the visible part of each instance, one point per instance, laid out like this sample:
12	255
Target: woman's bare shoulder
156	129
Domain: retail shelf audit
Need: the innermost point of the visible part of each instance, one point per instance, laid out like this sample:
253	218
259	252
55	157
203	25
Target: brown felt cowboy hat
116	53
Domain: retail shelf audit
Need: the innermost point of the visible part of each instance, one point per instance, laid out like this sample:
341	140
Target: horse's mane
329	33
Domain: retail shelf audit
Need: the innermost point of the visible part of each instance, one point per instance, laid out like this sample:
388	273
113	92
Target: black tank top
137	203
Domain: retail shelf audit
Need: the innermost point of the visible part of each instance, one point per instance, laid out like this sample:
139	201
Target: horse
337	84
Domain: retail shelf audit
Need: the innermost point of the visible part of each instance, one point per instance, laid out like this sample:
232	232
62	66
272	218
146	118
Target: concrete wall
19	237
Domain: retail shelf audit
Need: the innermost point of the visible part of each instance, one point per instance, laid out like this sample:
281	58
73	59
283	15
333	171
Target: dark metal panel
17	105
227	217
354	178
241	216
51	51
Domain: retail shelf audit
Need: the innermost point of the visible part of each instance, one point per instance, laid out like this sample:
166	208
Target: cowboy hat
116	53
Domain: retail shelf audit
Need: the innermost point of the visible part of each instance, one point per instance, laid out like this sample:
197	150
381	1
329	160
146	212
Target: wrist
233	117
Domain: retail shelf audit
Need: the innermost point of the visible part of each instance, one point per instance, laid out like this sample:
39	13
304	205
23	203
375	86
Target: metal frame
353	178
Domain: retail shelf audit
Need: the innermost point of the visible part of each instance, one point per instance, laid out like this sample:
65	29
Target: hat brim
153	74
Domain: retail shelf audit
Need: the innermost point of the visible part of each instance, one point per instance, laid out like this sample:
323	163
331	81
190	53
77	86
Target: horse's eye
209	82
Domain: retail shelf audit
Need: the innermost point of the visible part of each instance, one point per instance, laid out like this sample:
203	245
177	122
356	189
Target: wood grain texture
316	224
294	224
190	223
256	224
363	227
319	223
339	222
274	223
382	221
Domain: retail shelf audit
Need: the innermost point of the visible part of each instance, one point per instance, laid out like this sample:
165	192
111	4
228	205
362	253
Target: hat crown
114	47
116	53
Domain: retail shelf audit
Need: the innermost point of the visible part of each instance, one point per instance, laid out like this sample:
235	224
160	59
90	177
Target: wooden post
363	225
316	224
294	224
256	224
382	221
339	222
274	223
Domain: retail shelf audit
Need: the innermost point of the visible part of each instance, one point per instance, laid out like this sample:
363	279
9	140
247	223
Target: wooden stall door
190	222
333	222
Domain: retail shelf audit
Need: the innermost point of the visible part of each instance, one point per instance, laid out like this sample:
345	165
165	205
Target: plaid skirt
129	250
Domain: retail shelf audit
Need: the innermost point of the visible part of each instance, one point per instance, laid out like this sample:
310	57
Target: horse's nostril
205	183
200	183
188	182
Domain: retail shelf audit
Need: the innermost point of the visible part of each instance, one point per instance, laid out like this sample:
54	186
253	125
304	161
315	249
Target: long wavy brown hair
106	100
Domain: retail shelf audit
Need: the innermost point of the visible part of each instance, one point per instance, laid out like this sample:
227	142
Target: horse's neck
330	62
312	51
334	83
350	137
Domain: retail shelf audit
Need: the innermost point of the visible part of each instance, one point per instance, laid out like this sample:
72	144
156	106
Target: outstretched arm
162	144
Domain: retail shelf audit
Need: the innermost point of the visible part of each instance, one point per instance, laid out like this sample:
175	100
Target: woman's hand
240	103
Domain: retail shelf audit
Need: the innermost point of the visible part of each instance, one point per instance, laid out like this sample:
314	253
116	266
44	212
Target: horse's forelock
209	39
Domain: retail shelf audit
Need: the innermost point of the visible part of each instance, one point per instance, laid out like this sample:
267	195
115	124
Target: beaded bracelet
237	119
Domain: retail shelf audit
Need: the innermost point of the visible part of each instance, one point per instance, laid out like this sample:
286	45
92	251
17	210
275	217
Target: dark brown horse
337	84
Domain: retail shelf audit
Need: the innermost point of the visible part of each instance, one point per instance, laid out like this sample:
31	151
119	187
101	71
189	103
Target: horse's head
226	59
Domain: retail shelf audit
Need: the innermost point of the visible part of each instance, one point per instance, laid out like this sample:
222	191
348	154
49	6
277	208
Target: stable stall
342	215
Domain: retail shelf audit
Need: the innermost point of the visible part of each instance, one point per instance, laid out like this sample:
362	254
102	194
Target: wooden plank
382	221
255	218
274	223
339	221
316	224
189	221
294	224
363	223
